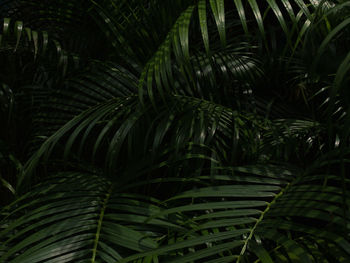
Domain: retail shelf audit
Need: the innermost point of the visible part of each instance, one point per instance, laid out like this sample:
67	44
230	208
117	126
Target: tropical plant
174	131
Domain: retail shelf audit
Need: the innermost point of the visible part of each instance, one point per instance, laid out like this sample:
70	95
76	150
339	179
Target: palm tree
174	131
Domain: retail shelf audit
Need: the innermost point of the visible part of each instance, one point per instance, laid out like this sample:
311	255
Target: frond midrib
260	220
99	224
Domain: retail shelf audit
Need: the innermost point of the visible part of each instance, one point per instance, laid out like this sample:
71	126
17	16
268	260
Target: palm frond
233	214
88	220
174	131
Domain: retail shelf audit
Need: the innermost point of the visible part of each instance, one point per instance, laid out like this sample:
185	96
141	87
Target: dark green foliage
174	131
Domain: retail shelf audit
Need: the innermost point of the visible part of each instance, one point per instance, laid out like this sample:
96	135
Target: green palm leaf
174	131
80	223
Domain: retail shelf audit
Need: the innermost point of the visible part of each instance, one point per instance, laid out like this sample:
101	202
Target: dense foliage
174	131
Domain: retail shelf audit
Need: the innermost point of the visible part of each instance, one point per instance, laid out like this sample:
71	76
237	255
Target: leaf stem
259	220
99	226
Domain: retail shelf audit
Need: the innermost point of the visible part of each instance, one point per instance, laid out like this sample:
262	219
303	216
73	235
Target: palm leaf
93	220
80	222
